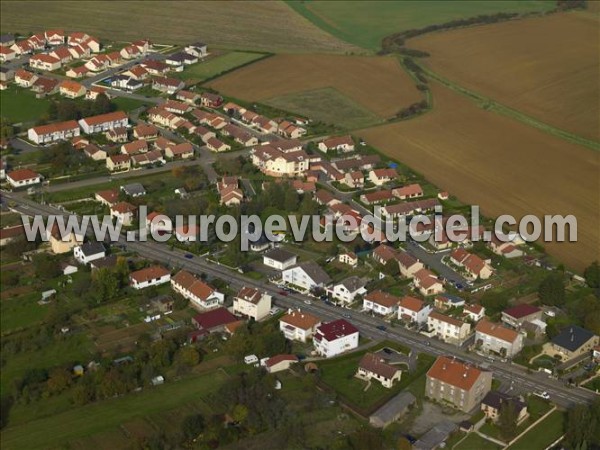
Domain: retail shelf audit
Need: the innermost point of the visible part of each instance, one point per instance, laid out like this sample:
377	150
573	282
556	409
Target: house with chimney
252	303
334	338
496	338
458	383
571	342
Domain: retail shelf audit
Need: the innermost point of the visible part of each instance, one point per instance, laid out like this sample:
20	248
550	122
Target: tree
239	413
494	301
592	275
552	290
59	380
45	267
507	420
192	426
187	357
105	284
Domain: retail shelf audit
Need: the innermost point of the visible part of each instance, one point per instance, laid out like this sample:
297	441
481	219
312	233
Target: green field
218	65
544	434
366	23
127	104
21	312
20	105
98	417
474	441
326	105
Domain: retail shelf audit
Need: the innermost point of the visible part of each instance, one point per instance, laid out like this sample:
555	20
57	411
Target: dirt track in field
546	67
502	165
379	84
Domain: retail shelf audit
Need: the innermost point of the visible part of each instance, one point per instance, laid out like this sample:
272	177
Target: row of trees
66	109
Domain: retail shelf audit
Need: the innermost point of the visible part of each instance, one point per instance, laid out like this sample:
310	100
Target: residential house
231	195
53	132
166	84
201	295
77	72
297	325
346	291
474	312
474	266
413	310
211	322
458	383
62	54
180	59
381	176
93	92
55	37
307	275
280	363
11	234
279	259
408	264
184	150
118	135
383	254
210	100
216	145
95	152
239	135
447	301
516	316
495	401
63	242
71	89
104	122
290	130
133	190
197	49
138	73
108	197
506	249
131	148
349	258
274	162
493	337
24	78
373	367
150	276
6	40
188	97
145	131
354	180
123	212
89	252
118	162
339	144
427	282
45	86
408	192
336	337
572	342
393	410
448	329
43	61
7	54
23	177
252	303
380	302
176	107
377	197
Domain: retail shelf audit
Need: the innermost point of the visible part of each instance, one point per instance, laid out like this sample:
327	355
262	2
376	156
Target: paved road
434	261
505	372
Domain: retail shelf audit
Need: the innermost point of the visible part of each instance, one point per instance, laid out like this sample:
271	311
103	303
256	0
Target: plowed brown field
546	67
379	84
502	165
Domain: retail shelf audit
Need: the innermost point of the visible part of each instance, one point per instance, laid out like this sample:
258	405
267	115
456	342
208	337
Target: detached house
123	212
472	264
408	264
150	276
197	49
145	131
427	282
572	342
279	259
372	366
474	312
211	100
118	162
43	61
448	329
88	252
184	150
23	177
201	295
492	337
380	302
297	325
24	78
457	383
307	275
516	316
338	144
167	85
413	310
71	89
382	176
334	338
346	291
493	403
250	302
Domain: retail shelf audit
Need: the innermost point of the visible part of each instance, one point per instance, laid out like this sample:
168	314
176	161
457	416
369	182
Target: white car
543	395
308	302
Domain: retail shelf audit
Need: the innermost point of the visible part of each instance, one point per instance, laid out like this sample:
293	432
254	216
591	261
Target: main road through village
513	377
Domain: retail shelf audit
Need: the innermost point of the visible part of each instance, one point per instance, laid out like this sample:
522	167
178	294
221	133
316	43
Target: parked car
308	302
188	255
381	327
284	293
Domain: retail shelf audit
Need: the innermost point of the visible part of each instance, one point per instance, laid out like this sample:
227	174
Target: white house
23	177
104	122
250	302
307	275
279	259
123	212
380	302
89	252
349	258
335	337
497	338
448	329
297	325
279	363
413	310
150	276
474	312
53	132
199	293
346	291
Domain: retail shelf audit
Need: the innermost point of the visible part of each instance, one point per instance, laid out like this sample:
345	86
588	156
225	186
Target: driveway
434	261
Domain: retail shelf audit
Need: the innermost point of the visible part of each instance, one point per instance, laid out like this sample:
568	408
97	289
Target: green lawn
475	442
217	65
366	23
327	105
543	434
127	104
98	417
21	311
20	105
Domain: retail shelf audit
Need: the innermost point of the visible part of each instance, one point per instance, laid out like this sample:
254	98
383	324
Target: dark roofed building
212	321
493	402
573	341
517	315
392	410
279	259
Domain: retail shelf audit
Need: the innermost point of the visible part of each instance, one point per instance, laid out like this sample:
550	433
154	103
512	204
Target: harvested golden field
252	25
501	165
548	67
378	84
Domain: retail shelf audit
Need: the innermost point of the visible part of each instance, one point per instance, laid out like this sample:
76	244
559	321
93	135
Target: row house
118	163
117	135
145	159
400	210
198	292
130	148
104	122
53	132
239	135
298	325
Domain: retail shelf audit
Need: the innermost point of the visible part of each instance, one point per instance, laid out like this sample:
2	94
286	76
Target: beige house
374	367
297	325
250	302
572	342
66	244
408	265
460	384
494	401
448	329
494	337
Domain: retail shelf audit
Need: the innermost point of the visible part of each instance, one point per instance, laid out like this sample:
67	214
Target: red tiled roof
383	298
521	311
215	318
22	175
108	117
336	329
454	372
496	330
279	358
149	273
55	127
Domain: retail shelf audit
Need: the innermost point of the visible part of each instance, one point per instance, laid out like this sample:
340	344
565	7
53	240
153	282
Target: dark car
284	293
188	255
381	327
